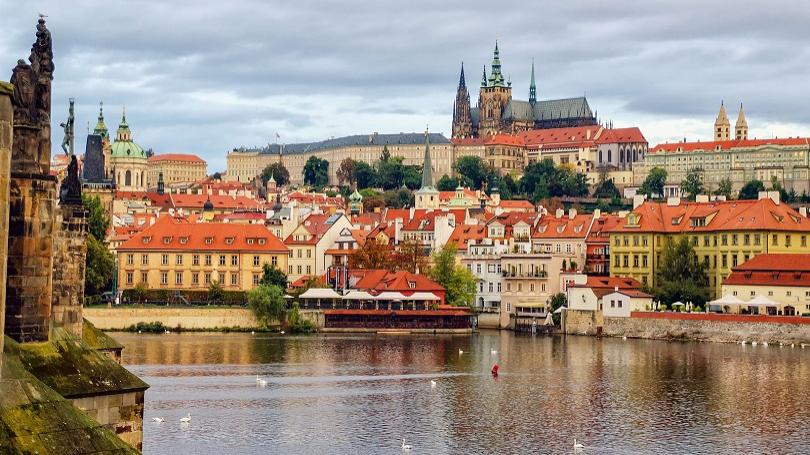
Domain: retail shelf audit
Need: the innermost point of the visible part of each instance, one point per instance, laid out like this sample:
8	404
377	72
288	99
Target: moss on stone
97	339
6	88
34	419
73	368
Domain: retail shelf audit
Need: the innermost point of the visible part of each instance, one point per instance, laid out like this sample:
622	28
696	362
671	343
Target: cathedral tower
495	95
462	119
532	89
741	128
722	127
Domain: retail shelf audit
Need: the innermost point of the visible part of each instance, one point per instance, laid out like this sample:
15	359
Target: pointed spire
101	127
741	118
461	82
722	124
123	133
484	78
532	88
496	78
427	172
741	128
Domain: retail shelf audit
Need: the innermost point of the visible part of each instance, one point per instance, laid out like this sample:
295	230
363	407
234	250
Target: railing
529	274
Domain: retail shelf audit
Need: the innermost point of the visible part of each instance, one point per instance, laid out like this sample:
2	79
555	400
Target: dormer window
146	240
209	240
229	240
411	284
250	241
183	240
262	241
167	240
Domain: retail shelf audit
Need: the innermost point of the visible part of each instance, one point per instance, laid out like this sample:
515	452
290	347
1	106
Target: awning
389	295
728	299
320	293
422	296
560	309
359	295
760	300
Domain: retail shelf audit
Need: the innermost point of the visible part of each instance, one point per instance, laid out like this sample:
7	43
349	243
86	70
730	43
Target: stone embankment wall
121	413
187	318
489	321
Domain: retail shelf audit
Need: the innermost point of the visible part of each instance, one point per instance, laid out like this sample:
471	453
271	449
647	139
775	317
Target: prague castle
497	112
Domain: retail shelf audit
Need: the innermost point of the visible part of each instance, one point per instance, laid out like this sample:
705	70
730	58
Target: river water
362	394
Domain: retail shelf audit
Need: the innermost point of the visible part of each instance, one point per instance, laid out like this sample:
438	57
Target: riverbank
190	319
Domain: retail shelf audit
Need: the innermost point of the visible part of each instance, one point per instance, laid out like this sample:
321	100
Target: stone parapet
69	258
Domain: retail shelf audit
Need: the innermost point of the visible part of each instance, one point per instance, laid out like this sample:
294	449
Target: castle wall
69	258
6	129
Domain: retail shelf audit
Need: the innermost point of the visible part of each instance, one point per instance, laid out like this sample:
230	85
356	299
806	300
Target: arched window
621	156
610	156
127	178
600	156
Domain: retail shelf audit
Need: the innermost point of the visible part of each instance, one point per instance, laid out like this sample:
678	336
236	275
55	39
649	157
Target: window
195	259
164	278
234	259
255	279
208	259
734	239
309	270
178	278
613	304
255	261
164	259
178	259
130	259
499	287
207	278
804	240
724	239
221	259
788	239
789	293
300	255
775	240
480	286
144	277
490	287
625	261
705	240
725	261
299	270
144	259
635	260
195	278
129	278
234	279
756	239
619	303
644	260
209	240
734	260
309	253
531	287
747	239
478	269
644	240
616	261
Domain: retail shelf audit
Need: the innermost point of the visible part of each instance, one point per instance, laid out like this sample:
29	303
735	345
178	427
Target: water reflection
363	394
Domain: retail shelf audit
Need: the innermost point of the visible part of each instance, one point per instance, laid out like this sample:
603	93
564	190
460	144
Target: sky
205	77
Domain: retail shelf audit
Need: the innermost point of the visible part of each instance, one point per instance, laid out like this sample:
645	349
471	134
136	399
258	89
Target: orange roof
579	136
469	141
621	136
426	220
401	280
184	157
448	195
463	234
505	139
777	262
513	204
563	227
710	146
610	282
178	234
600	230
772	270
748	215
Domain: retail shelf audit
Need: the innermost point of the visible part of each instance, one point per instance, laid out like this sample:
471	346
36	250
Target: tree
557	300
267	303
372	203
446	183
397	199
215	292
279	173
365	175
412	177
141	290
347	172
653	185
606	189
681	276
473	169
724	188
692	185
316	171
372	255
273	276
751	190
391	173
537	174
458	282
99	267
386	155
410	256
98	222
216	176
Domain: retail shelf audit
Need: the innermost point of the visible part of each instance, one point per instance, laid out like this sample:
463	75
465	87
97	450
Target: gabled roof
463	234
401	280
570	137
551	227
772	269
711	146
621	136
601	227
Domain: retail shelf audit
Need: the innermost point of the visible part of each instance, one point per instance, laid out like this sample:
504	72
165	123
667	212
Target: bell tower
722	126
462	119
495	94
741	128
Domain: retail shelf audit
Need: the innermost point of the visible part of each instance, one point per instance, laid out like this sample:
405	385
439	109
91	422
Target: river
362	394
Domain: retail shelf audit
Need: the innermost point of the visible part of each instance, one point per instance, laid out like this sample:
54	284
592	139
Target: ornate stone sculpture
67	142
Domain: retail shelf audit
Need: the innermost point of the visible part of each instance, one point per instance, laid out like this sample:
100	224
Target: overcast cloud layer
204	78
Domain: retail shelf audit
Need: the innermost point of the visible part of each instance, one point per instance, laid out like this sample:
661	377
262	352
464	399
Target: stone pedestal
32	202
69	258
6	129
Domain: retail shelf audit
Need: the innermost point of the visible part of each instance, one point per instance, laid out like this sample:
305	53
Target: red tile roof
710	146
516	204
463	234
426	220
399	281
600	230
772	270
562	228
184	157
178	234
621	136
748	215
579	136
777	262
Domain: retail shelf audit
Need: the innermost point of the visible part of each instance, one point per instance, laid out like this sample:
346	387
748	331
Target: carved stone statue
71	190
67	126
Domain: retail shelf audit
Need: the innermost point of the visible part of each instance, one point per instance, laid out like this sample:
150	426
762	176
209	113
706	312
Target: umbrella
549	320
678	304
560	309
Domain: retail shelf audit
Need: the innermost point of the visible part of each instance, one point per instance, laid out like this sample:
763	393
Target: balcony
528	274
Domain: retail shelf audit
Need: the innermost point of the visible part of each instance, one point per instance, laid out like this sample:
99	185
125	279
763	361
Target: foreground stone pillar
6	128
69	257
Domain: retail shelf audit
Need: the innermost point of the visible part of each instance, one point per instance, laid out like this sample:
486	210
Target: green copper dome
124	146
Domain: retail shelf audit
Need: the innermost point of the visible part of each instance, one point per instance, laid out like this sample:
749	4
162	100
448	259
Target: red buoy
495	369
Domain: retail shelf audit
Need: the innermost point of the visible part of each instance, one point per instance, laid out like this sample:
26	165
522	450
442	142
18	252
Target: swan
158	419
260	381
460	352
578	447
765	343
432	383
493	352
253	332
743	342
406	446
186	419
282	332
754	343
624	338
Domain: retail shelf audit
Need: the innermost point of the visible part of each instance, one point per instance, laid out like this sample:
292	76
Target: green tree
391	173
397	199
446	183
215	292
536	174
606	189
681	276
412	177
99	267
751	190
279	173
98	222
267	303
473	169
653	185
692	185
724	188
459	283
316	171
141	290
347	172
557	300
365	174
385	155
273	276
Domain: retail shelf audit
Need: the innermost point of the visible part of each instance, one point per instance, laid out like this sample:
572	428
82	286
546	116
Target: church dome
208	206
124	146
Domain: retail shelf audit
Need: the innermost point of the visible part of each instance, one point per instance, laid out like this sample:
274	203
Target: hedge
193	297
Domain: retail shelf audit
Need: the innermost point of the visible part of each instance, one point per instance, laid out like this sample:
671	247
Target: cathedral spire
101	127
427	172
532	88
722	125
462	115
461	82
484	78
496	78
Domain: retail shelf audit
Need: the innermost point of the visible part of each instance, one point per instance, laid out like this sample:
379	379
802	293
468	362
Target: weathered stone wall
69	252
32	202
6	134
188	318
120	413
702	330
582	322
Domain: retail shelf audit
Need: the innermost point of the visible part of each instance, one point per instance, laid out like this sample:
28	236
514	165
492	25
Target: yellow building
176	254
723	234
177	168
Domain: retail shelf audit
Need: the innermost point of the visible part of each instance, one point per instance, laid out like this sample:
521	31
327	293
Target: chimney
572	213
803	211
673	201
772	195
638	199
588	134
410	213
397	230
559	213
597	214
702	198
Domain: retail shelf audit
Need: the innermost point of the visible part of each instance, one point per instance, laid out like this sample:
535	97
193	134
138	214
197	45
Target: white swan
743	342
754	343
460	352
493	352
406	446
186	419
578	447
158	419
765	343
624	338
253	332
432	383
260	381
282	332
